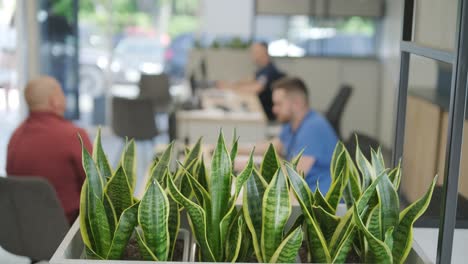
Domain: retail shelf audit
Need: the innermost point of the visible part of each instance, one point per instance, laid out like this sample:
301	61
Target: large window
298	36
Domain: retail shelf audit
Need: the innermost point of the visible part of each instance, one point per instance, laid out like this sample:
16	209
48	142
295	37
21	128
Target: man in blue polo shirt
306	129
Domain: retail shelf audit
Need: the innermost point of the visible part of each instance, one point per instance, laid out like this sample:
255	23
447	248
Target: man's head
259	53
45	94
290	98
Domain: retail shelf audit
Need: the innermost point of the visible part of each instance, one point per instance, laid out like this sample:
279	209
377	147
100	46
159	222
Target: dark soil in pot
132	252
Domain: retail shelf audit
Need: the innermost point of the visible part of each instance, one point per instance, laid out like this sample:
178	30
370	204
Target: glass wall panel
435	23
58	47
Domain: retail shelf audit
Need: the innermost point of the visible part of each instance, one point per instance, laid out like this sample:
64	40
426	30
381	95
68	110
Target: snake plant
108	211
216	223
373	227
267	208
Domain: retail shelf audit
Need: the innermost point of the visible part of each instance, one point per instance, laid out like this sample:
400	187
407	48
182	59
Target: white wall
227	17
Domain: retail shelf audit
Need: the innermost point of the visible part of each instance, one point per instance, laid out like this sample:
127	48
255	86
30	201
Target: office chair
32	220
336	108
366	143
133	118
156	87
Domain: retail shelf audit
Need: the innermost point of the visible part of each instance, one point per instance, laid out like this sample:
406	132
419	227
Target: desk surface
226	105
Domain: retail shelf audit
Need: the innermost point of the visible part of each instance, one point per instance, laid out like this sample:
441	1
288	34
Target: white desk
427	239
245	115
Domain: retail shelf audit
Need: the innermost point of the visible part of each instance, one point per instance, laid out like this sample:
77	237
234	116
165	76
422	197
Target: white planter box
71	249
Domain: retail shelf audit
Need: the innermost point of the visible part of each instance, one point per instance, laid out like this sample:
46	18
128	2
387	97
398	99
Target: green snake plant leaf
395	176
233	153
327	222
380	251
353	190
336	159
365	167
289	248
377	161
316	241
270	164
128	162
153	216
322	202
363	201
202	196
193	154
338	185
345	245
403	234
246	251
275	214
374	223
342	229
124	230
119	192
173	224
296	159
389	205
300	187
226	223
91	254
144	249
100	158
159	169
220	191
99	225
95	184
202	175
85	228
110	213
197	219
244	175
234	239
254	190
389	237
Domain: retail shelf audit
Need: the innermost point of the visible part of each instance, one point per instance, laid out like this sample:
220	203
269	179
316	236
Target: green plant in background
267	208
108	211
219	228
373	227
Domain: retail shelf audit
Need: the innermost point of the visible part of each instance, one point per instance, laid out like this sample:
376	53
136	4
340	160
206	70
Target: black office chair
156	87
133	118
32	221
336	108
366	143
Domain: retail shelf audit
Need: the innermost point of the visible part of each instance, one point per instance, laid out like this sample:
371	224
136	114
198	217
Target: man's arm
305	164
261	148
246	86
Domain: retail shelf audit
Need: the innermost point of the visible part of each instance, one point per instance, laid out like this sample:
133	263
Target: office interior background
99	50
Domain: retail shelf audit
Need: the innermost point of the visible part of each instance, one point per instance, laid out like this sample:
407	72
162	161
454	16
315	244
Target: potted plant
373	229
114	225
217	225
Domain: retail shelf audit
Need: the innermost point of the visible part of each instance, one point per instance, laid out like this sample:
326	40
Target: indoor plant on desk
110	216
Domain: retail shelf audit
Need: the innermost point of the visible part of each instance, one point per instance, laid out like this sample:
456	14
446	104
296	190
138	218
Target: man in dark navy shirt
266	74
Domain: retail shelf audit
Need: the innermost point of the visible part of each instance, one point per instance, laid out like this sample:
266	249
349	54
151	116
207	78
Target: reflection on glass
58	48
298	36
435	23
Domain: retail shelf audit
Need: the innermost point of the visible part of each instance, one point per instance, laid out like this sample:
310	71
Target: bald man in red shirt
47	145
